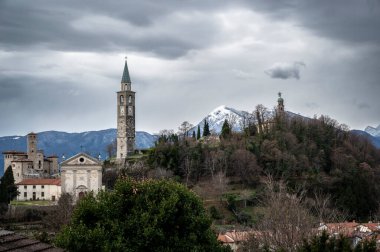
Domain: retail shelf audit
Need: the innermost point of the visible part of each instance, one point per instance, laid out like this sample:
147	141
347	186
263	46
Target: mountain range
95	142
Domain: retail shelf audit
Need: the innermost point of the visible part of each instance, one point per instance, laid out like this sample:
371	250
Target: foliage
214	213
324	243
198	133
318	153
140	216
8	189
206	129
226	130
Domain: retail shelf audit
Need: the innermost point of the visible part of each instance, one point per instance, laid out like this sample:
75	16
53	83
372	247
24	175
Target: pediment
81	159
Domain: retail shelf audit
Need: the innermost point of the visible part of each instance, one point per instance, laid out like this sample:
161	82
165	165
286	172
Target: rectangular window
42	194
34	187
42	187
25	195
25	186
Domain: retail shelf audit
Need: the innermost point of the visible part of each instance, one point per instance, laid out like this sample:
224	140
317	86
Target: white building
80	174
39	189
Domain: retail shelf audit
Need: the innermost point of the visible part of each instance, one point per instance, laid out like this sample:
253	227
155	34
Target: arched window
121	99
130	99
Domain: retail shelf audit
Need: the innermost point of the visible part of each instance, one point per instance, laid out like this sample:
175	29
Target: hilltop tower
280	104
125	117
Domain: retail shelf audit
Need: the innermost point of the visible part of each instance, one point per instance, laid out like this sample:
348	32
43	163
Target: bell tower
125	117
280	104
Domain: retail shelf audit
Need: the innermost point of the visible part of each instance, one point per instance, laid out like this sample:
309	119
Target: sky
61	62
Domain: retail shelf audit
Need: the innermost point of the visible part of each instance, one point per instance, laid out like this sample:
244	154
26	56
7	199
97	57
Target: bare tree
111	149
184	128
160	173
245	165
262	116
61	215
321	206
286	220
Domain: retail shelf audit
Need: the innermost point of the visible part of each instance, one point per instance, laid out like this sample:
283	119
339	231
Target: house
39	189
344	228
356	232
234	238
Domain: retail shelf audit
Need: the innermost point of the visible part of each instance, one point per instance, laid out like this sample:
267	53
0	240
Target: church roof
78	155
126	78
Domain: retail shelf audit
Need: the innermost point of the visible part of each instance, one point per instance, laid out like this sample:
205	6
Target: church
39	177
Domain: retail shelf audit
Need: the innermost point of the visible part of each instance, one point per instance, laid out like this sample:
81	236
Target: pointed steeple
126	78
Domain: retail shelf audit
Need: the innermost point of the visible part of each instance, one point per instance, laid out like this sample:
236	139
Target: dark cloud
285	70
89	26
348	21
363	105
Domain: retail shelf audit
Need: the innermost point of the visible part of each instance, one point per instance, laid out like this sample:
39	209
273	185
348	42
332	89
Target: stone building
125	117
30	164
80	174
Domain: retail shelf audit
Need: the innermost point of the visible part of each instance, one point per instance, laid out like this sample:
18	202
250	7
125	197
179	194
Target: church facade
80	174
125	117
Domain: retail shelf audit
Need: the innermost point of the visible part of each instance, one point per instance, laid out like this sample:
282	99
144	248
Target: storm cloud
285	70
61	61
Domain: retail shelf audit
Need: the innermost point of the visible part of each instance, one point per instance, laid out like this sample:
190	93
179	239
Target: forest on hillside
317	156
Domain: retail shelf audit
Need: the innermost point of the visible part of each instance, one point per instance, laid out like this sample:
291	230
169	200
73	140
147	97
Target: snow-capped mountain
216	119
373	131
59	143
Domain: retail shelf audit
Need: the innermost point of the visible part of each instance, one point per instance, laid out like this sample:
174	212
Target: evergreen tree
8	189
140	221
226	130
206	129
198	132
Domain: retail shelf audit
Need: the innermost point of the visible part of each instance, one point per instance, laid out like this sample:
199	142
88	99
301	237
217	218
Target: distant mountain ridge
69	144
373	131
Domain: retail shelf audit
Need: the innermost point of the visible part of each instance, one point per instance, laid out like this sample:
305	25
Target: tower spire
126	78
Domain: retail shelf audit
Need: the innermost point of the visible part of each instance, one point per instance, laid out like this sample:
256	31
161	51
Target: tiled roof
236	236
14	152
40	182
10	241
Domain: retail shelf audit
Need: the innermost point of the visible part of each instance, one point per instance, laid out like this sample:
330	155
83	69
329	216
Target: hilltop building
280	105
125	117
30	164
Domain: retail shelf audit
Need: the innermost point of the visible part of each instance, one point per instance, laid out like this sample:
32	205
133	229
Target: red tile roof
40	182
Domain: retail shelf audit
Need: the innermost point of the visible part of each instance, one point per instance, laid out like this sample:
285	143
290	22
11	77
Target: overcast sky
61	62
